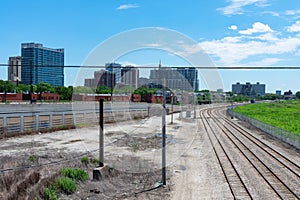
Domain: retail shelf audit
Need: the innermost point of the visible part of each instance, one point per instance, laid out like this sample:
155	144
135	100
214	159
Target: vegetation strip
282	114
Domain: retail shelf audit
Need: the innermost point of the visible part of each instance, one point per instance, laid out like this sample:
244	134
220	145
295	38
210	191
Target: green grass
67	185
95	161
282	114
85	160
74	174
50	194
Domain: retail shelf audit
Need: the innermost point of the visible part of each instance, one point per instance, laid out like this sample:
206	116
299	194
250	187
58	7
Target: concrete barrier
30	122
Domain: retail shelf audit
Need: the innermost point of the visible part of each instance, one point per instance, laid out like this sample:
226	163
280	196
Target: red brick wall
11	97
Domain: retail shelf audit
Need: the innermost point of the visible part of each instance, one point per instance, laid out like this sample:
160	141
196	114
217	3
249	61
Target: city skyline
238	33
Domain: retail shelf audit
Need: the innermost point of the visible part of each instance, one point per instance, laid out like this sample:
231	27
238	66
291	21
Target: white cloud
233	27
153	45
265	62
292	12
127	63
274	14
267	37
234	50
295	27
257	27
236	6
127	6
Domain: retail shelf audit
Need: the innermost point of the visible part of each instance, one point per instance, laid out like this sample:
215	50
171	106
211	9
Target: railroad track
269	167
236	185
289	164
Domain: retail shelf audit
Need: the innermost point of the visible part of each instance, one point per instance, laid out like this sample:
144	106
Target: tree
82	89
103	89
44	87
64	92
22	88
6	86
270	97
69	93
298	95
229	93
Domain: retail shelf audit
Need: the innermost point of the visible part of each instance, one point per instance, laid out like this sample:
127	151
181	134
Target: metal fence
286	136
29	122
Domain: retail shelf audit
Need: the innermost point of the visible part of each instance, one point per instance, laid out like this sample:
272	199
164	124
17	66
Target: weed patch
66	185
74	174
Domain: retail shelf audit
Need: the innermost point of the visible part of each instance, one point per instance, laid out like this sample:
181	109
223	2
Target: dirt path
197	173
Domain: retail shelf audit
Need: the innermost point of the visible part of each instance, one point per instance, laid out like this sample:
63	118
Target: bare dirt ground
132	161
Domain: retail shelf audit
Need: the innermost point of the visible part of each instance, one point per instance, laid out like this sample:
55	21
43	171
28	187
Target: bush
66	185
74	174
50	194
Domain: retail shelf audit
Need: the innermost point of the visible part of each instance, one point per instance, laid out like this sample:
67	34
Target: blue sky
231	32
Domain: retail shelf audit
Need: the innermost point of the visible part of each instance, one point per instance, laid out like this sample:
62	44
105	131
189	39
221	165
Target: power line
166	67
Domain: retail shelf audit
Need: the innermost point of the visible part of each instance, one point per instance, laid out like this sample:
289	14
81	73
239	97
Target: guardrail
286	136
39	121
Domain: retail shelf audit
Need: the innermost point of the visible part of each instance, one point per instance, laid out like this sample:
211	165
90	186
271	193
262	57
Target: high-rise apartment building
130	76
175	78
42	64
248	89
191	75
14	69
116	69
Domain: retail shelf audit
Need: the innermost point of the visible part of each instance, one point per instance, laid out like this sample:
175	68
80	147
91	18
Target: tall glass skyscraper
191	75
41	64
116	69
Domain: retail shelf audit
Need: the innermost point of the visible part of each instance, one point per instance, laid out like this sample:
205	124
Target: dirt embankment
28	174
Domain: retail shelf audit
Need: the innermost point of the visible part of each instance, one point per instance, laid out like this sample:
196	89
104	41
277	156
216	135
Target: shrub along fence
286	136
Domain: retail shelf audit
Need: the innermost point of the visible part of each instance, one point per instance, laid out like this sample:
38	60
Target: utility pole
163	178
194	89
172	102
31	82
111	85
101	142
232	108
5	91
164	137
